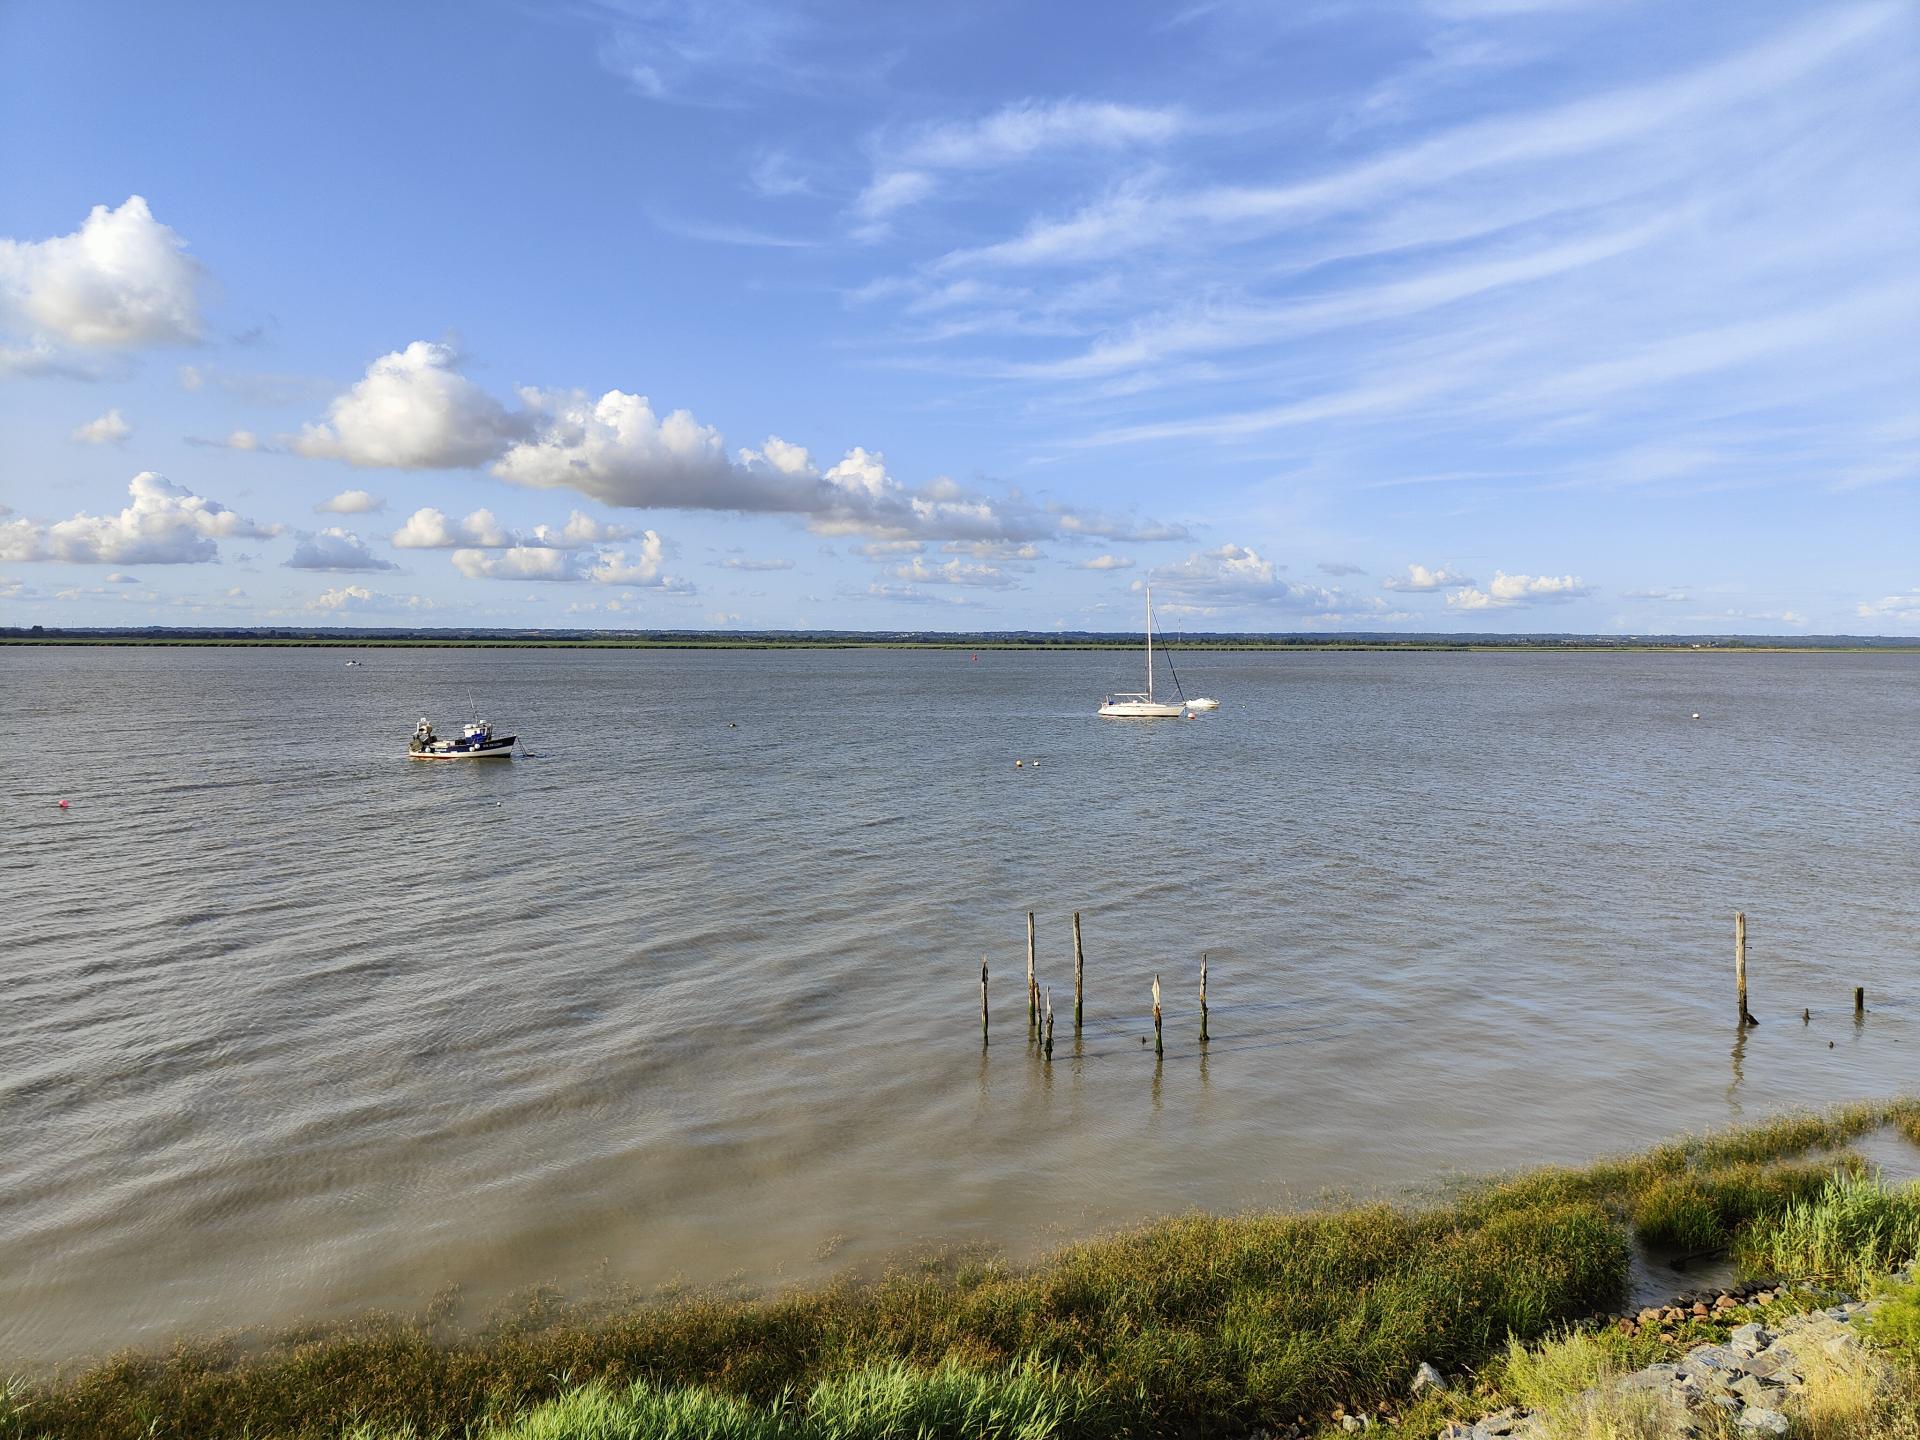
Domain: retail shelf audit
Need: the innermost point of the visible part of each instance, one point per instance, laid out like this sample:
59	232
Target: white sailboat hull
1141	710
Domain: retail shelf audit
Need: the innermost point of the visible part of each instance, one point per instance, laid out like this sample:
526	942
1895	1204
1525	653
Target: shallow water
297	1027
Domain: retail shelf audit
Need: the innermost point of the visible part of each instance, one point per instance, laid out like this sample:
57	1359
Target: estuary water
294	1028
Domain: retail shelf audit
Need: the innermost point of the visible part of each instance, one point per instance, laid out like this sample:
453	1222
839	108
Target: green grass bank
1192	1326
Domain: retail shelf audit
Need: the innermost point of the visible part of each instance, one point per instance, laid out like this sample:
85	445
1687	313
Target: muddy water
295	1027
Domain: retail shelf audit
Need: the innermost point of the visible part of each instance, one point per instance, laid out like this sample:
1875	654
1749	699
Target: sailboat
1140	705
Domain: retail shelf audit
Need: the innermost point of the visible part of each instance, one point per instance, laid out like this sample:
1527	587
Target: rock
1426	1378
1456	1430
1762	1421
1700	1311
1749	1339
1352	1424
1501	1422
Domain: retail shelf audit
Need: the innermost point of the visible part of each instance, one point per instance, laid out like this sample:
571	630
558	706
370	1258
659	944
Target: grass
1854	1228
1193	1325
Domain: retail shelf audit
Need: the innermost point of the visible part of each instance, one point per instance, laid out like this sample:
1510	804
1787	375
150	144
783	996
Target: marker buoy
1018	764
1696	714
63	804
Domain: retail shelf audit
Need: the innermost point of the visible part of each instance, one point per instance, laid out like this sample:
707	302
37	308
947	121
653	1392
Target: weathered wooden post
1033	993
1859	999
1203	997
983	1000
1740	965
1158	1049
1079	961
1049	1040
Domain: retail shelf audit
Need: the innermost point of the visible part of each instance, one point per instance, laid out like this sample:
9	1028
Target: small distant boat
476	742
1203	704
353	662
1140	704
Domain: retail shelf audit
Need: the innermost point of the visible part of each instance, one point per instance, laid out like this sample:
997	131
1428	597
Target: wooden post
1740	965
1049	1040
1079	961
1859	999
1158	1050
983	1000
1033	993
1203	997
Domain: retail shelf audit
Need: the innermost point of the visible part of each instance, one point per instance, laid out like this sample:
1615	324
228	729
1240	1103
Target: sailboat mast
1149	642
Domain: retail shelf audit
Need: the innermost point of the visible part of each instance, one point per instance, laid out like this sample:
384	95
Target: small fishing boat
1140	704
1203	704
476	742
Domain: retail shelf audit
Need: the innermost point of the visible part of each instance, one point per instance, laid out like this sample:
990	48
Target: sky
1430	315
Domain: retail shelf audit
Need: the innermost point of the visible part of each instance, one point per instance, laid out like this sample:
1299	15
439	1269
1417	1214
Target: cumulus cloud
164	524
1901	609
1509	590
414	410
1108	562
335	549
110	429
358	597
616	568
429	528
519	562
642	568
350	502
954	572
120	281
1238	575
1420	578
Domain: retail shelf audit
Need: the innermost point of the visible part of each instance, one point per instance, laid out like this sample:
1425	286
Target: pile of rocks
1749	1375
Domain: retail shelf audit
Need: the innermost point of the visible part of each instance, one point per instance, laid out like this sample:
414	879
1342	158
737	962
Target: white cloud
618	451
1509	590
613	567
1238	575
1339	567
1657	592
429	529
121	280
165	524
358	597
1902	609
1010	134
521	562
350	502
110	429
414	410
1108	562
117	578
953	572
335	549
1098	525
1419	577
244	440
742	562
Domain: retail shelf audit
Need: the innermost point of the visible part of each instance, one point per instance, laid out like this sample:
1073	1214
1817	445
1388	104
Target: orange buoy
63	804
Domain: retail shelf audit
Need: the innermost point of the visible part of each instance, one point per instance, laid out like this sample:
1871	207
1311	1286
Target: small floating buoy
63	804
1829	1044
1696	714
1018	764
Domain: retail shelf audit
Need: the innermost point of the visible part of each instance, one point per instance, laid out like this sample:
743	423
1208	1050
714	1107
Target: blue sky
1495	315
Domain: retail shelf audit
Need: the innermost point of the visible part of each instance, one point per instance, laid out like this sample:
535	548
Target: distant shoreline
1004	642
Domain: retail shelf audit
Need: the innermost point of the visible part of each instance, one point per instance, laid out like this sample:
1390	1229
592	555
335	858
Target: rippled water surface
295	1027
